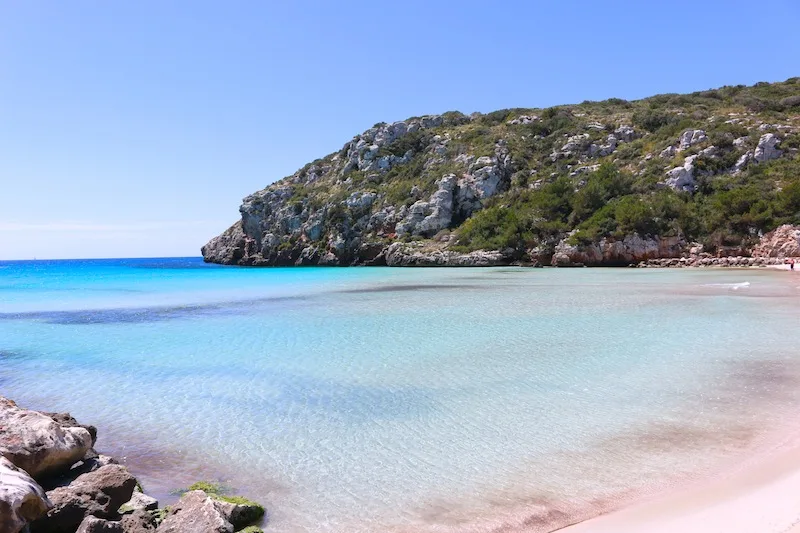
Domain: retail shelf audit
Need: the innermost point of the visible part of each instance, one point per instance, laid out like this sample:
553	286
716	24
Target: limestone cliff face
329	213
531	185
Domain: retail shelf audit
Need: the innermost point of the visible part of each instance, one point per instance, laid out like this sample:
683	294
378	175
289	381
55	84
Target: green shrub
652	120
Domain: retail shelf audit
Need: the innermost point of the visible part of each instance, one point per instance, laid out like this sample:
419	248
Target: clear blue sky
135	128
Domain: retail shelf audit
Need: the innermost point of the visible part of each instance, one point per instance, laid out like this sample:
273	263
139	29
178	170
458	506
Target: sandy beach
762	498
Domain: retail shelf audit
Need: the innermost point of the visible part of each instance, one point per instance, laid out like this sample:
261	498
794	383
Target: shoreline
762	495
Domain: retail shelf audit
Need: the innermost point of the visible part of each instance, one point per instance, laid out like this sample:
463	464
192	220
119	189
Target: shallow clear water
370	399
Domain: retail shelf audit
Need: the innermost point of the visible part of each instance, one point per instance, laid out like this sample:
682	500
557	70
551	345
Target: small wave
731	286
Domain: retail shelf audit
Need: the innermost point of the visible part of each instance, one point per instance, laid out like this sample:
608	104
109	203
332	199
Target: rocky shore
53	481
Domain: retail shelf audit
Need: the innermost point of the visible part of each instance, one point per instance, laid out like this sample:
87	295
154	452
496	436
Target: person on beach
791	263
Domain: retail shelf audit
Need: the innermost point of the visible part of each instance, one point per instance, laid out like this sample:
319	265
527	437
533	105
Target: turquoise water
370	399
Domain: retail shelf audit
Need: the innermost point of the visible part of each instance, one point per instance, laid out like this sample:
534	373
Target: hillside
611	182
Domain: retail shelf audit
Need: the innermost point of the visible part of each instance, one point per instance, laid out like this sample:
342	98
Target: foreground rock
139	502
140	521
99	493
22	500
37	443
89	492
91	524
196	512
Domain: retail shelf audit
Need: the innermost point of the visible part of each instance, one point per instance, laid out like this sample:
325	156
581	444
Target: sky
135	128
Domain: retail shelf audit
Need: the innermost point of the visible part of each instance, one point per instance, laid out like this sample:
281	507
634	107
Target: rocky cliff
612	182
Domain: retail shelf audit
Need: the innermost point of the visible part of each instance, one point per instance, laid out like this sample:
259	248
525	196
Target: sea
419	399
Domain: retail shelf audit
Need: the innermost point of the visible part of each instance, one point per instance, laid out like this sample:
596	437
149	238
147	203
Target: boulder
196	512
139	501
87	464
767	148
22	500
682	178
37	443
668	152
91	524
99	493
625	133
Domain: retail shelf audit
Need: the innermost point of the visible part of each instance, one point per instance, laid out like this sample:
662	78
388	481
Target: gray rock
711	151
743	161
37	443
602	150
91	524
575	145
22	500
139	502
523	119
668	152
690	138
625	133
767	148
682	178
583	170
195	513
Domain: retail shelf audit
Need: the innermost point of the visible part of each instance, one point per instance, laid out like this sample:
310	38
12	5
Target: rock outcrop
22	500
631	249
424	255
782	242
37	443
428	218
682	178
767	148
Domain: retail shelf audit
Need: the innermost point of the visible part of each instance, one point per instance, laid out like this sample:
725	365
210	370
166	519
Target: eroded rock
37	443
22	500
767	148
